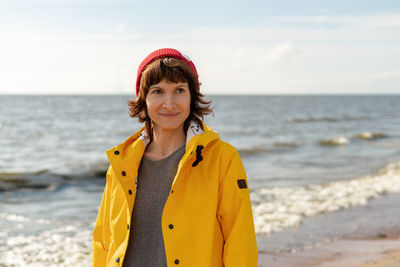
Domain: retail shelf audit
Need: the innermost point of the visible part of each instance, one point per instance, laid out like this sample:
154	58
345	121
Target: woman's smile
169	115
168	104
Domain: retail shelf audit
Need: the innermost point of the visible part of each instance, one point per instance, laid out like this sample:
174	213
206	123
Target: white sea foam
368	135
20	218
285	144
277	208
64	246
341	140
345	139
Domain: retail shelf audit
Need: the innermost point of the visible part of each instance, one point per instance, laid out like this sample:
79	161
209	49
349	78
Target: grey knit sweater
146	243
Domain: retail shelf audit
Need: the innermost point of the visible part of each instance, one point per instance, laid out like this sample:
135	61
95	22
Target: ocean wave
285	144
21	218
34	180
252	150
278	208
64	246
341	140
345	139
46	180
369	135
325	118
260	149
311	119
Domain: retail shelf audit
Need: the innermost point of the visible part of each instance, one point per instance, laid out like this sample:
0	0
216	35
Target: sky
238	47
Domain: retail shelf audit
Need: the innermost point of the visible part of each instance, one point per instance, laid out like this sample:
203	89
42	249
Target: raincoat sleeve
101	232
235	216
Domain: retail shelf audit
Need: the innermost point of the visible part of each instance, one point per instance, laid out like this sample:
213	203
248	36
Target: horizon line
213	94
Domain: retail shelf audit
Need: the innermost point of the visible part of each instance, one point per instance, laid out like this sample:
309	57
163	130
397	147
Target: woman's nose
169	101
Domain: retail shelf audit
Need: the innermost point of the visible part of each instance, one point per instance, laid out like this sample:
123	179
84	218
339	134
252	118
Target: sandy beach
360	236
384	252
391	259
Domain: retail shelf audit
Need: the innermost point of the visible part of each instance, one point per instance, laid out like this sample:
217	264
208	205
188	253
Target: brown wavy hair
173	70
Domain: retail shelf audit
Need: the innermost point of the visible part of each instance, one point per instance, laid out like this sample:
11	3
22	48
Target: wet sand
360	236
384	252
391	259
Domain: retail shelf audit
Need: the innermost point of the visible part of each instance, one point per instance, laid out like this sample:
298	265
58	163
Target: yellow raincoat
208	205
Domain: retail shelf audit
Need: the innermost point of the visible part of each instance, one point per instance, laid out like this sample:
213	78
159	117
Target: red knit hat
164	52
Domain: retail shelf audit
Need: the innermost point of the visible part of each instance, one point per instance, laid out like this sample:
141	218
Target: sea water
305	157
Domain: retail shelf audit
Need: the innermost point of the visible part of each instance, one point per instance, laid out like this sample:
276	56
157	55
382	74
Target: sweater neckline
164	158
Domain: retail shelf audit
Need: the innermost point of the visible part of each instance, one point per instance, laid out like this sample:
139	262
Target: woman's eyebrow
182	84
156	87
179	85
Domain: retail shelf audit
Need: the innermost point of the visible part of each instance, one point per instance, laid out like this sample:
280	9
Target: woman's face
168	104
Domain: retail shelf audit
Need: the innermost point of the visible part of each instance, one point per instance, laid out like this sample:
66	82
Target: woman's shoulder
225	149
225	145
218	143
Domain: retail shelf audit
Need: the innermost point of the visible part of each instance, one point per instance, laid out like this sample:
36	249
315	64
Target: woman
176	195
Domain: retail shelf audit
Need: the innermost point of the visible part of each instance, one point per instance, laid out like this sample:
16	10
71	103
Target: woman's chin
169	126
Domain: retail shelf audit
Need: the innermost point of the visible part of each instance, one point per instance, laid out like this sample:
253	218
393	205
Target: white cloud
385	75
313	19
121	27
382	21
374	20
283	51
388	80
358	58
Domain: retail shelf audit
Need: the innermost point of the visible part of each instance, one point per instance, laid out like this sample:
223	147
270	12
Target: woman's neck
165	142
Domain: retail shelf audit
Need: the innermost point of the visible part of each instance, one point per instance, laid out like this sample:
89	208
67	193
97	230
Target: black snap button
116	152
172	191
130	192
176	261
171	226
123	173
127	226
117	260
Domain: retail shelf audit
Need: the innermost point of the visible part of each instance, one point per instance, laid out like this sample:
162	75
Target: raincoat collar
207	135
193	130
129	153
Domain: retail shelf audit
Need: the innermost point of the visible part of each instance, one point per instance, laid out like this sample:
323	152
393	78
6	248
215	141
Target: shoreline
342	252
362	236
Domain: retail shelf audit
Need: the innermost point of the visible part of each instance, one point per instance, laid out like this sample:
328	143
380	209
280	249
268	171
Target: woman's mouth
169	115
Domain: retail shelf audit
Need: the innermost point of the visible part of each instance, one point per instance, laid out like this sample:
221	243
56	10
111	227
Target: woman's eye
180	90
157	91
